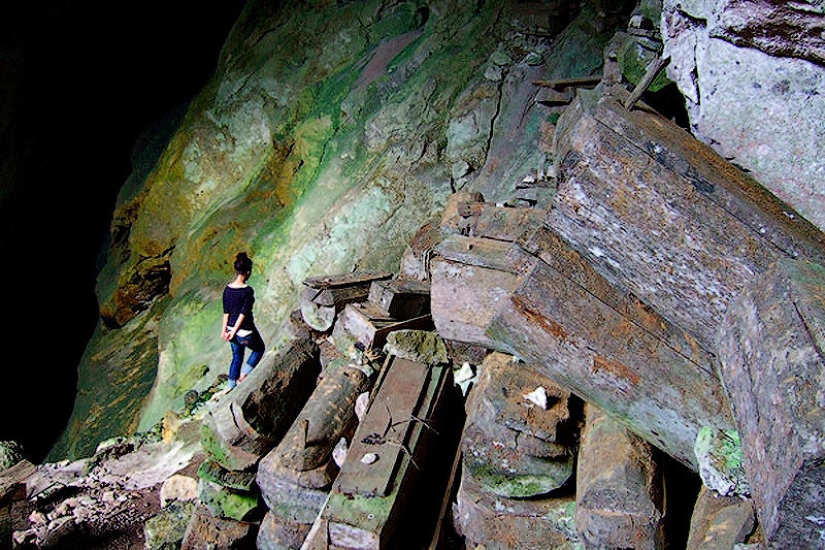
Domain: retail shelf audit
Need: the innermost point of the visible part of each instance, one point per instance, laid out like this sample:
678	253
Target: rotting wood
328	415
385	429
369	325
246	423
369	506
619	487
553	98
483	518
327	282
664	217
771	358
514	446
569	82
505	223
322	298
720	521
620	355
470	279
401	298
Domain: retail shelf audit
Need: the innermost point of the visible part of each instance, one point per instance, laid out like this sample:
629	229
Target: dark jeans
256	347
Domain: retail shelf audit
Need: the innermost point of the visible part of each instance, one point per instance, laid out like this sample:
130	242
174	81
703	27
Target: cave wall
328	136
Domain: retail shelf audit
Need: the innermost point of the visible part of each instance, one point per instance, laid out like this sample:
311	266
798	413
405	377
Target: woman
239	323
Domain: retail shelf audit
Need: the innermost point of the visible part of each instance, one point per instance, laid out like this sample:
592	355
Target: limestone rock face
752	75
329	134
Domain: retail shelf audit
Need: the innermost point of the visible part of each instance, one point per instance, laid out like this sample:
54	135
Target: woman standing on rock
239	323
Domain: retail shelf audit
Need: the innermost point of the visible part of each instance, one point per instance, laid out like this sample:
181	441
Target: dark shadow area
670	103
80	83
682	487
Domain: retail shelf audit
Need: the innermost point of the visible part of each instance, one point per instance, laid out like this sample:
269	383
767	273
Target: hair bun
242	263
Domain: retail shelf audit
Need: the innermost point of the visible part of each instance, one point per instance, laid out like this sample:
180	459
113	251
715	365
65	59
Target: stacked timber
382	497
323	298
619	487
239	429
589	298
518	455
295	477
624	294
539	300
662	217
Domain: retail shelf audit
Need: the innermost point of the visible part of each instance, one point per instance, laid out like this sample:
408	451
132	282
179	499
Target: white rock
464	376
339	453
361	404
538	396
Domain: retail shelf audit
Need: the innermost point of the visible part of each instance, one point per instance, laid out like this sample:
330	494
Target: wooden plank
395	401
579	340
568	82
664	217
401	298
650	73
345	279
470	277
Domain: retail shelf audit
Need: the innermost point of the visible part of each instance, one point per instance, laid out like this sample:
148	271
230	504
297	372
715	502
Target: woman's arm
224	324
232	330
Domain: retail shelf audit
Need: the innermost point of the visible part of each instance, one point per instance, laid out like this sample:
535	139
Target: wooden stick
566	82
448	496
651	72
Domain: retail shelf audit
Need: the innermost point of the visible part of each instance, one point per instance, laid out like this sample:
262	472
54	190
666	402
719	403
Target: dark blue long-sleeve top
237	301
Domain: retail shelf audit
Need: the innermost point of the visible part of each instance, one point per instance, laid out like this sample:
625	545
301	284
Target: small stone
538	396
361	404
339	453
178	487
369	458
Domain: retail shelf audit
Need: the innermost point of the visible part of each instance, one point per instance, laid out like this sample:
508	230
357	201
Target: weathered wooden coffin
248	422
322	298
772	361
374	504
401	298
543	302
369	324
619	487
663	216
470	278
